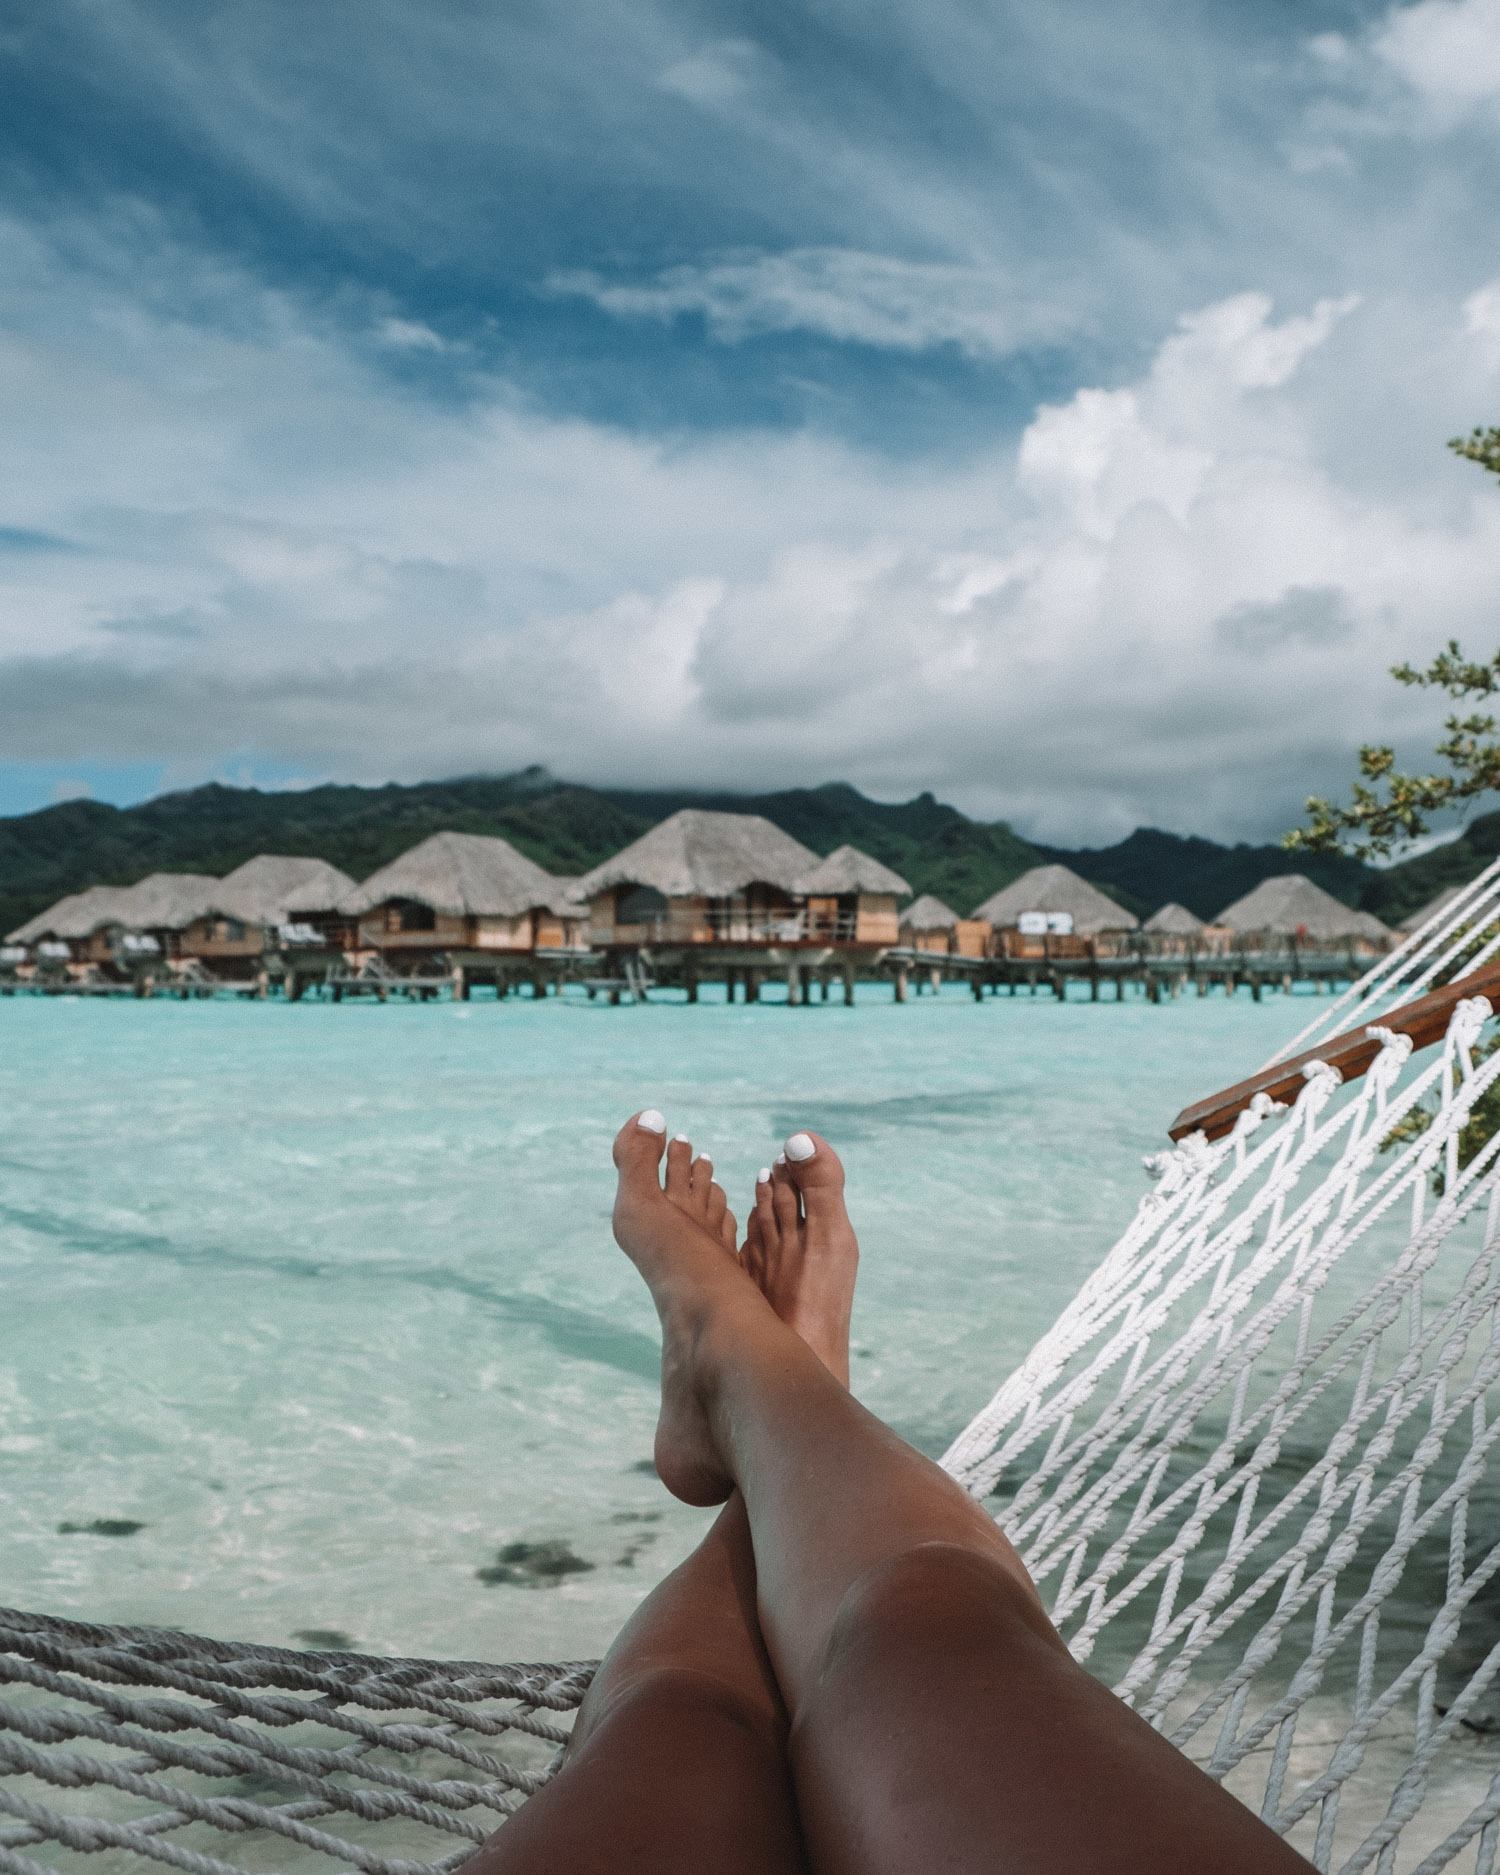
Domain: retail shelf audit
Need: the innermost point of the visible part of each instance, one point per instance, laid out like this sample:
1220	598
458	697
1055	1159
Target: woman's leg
678	1757
937	1719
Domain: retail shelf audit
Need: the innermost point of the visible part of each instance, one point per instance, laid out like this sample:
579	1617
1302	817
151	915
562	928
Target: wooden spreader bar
1425	1020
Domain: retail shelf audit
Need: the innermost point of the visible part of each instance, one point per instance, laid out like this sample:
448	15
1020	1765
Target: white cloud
409	335
1447	51
1171	600
1481	312
714	75
871	299
1106	452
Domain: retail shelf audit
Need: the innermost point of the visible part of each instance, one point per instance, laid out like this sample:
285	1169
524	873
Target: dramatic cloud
679	400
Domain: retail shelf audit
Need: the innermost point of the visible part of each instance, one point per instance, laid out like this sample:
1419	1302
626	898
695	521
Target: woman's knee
682	1702
926	1599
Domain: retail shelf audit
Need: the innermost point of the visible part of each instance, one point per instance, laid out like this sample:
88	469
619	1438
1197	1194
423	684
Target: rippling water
324	1299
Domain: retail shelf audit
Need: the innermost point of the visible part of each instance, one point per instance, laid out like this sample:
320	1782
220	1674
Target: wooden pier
798	975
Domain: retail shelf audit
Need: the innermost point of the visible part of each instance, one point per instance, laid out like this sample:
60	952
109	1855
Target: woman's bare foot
801	1249
681	1239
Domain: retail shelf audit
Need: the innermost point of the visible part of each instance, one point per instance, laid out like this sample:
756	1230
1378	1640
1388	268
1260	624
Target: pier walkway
638	975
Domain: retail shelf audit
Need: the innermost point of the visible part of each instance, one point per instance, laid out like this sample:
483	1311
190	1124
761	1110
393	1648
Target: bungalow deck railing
793	926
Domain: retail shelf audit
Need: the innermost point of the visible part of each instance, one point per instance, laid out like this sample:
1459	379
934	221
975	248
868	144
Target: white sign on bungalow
1045	924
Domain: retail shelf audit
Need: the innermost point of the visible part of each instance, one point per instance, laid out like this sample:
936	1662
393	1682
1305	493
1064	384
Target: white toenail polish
800	1146
681	1139
781	1158
763	1176
705	1158
652	1121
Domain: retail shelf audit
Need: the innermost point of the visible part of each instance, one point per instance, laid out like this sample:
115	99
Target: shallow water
324	1298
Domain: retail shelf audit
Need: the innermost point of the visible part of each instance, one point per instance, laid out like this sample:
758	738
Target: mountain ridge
568	827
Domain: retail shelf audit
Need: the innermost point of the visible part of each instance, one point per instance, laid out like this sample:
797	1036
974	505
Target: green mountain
1149	868
568	828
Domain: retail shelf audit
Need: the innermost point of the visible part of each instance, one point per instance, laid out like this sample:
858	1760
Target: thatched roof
165	901
928	914
1290	905
573	901
697	854
1057	889
846	869
268	888
1174	920
462	875
1415	920
75	916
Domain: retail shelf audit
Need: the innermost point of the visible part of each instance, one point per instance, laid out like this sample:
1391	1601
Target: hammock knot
1322	1078
1394	1046
1259	1109
1469	1018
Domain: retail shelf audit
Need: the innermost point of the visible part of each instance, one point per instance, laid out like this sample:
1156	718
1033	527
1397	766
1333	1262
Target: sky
1040	403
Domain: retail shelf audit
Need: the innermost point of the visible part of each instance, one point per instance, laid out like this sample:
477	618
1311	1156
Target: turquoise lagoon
325	1300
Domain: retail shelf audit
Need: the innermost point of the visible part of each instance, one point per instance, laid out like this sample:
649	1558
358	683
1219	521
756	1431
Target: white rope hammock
1259	1437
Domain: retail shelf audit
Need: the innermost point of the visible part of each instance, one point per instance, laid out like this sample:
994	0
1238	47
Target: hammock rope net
1251	1467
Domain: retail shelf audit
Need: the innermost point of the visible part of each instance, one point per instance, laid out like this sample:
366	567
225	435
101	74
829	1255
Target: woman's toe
784	1202
816	1171
701	1178
753	1256
680	1170
637	1150
765	1213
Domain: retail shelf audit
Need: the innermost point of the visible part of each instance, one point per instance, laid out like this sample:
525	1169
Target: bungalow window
639	904
407	915
231	930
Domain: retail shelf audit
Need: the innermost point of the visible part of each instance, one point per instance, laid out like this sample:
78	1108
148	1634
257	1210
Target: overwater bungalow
1051	912
1289	912
850	898
465	902
927	924
1174	931
701	878
153	915
252	916
47	938
733	895
117	932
